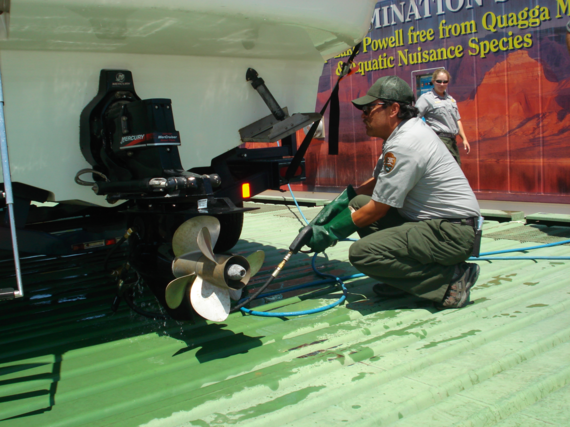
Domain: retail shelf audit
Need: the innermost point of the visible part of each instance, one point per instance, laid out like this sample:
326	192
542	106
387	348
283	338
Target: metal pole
8	193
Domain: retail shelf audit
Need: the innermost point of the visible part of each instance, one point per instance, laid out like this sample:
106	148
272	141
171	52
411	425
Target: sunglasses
367	109
442	81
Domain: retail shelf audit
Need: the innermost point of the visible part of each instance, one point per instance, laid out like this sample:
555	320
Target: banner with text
510	68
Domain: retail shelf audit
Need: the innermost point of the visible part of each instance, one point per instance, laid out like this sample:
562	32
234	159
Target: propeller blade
235	294
255	262
185	237
176	290
205	244
186	264
210	301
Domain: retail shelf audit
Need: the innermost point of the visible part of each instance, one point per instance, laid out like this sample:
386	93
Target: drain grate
526	233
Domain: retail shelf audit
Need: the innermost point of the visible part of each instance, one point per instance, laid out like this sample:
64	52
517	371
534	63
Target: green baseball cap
390	88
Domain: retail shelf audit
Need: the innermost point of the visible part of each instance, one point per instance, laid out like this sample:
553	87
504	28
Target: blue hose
563	242
297	204
306	285
482	256
293	196
300	313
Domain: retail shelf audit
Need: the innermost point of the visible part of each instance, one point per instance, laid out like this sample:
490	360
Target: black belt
445	134
464	221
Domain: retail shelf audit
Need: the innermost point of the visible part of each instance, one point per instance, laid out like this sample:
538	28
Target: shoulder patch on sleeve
389	162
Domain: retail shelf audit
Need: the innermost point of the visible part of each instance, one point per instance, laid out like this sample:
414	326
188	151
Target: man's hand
333	208
321	239
326	235
466	146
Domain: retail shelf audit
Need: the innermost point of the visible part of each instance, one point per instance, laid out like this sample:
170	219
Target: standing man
441	113
416	216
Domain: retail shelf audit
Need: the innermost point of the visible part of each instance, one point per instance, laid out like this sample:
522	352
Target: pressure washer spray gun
302	239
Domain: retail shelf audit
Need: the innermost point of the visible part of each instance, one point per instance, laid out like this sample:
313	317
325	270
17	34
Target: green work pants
416	257
451	145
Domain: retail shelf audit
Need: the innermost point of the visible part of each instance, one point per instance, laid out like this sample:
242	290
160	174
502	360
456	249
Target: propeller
184	238
207	279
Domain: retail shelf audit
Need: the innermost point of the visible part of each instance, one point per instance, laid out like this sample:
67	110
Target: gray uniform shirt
417	175
440	112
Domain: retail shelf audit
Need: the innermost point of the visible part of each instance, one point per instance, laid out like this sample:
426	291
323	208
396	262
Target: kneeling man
417	216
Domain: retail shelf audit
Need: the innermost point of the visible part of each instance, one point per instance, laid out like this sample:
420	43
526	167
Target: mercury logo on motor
129	138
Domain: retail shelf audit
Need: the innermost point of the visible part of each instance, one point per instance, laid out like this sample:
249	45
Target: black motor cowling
133	143
138	130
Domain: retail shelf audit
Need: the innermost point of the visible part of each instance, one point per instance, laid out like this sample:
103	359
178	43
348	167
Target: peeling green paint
362	353
265	408
536	305
359	376
463	335
497	280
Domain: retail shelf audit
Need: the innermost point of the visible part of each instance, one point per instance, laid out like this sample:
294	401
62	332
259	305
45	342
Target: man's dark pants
416	257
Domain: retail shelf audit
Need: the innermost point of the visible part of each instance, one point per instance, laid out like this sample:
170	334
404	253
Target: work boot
457	295
386	291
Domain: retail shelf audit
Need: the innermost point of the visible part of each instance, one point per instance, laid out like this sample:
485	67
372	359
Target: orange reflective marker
245	191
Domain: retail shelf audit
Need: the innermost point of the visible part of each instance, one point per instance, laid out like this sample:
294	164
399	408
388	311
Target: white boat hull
193	52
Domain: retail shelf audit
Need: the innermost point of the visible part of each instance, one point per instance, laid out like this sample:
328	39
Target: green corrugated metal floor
505	360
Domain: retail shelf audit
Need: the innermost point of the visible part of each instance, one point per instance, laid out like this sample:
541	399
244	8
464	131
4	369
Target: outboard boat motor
132	146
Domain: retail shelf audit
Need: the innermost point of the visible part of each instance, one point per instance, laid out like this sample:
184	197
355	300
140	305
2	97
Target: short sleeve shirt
417	175
441	112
